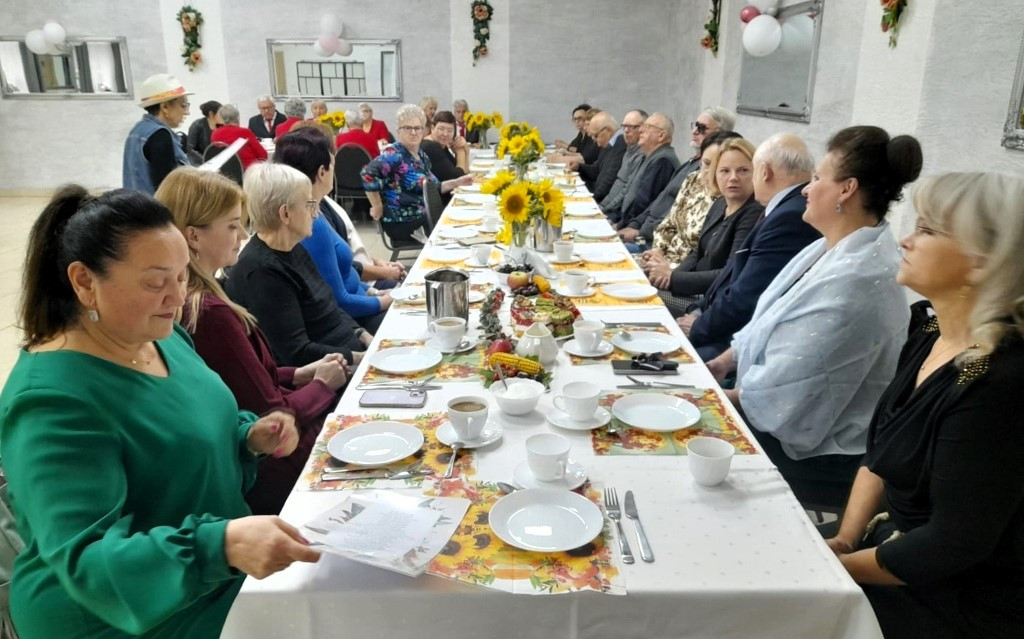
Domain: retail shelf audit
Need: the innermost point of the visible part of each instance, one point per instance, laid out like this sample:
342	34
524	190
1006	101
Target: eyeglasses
185	105
631	127
311	205
594	134
700	127
411	129
579	118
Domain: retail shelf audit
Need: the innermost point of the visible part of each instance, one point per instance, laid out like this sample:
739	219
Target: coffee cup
482	253
547	455
468	415
448	331
576	280
578	400
588	334
563	250
490	223
710	459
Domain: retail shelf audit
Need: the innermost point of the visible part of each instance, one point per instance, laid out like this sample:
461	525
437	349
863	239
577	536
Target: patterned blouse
398	176
679	232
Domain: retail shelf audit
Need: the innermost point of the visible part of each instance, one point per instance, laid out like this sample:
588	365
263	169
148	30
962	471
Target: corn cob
528	366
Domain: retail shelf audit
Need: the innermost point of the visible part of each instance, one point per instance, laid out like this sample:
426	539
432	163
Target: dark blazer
656	211
656	171
602	173
730	302
720	237
259	126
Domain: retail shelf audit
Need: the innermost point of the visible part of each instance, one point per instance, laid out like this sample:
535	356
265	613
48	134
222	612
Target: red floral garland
482	11
892	10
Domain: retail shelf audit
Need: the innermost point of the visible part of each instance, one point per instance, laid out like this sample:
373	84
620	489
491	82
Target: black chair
397	248
435	206
348	184
232	168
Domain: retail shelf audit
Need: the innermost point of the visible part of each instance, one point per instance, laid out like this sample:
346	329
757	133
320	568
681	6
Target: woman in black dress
934	528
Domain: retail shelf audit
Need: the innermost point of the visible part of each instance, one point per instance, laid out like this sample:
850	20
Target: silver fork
611	505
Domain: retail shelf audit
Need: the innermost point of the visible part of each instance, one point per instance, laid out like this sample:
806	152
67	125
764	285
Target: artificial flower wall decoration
190	21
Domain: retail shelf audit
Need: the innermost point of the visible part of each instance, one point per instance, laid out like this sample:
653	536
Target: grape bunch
530	290
510	267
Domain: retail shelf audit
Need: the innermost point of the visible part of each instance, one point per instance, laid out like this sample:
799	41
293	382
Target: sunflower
553	200
497	183
515	203
496	119
504	236
502	146
507	130
516	145
538	143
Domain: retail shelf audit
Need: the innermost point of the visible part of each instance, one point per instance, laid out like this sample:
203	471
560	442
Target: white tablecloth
738	560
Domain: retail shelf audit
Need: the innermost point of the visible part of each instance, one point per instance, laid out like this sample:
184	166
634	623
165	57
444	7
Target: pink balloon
328	42
749	13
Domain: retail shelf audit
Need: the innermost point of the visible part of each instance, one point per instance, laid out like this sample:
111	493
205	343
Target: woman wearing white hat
152	150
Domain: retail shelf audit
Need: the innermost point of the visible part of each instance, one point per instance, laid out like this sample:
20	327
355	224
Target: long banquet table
738	560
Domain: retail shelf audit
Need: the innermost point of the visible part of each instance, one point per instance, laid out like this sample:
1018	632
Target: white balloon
797	34
54	33
53	49
317	49
36	42
328	42
762	36
330	23
344	47
764	5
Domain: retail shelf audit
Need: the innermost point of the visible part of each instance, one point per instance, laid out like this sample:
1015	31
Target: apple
518	279
500	345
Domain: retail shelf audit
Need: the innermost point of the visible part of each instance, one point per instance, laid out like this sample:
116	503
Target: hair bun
905	160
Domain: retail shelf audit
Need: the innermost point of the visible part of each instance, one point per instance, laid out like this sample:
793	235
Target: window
88	67
331	78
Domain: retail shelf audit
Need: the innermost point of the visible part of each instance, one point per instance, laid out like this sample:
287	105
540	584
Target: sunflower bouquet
522	203
522	143
335	119
483	122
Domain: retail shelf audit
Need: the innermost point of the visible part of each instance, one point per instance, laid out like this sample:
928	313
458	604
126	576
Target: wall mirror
1013	130
372	72
781	84
85	68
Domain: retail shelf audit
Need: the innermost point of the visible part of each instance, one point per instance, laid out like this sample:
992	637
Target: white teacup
563	250
579	400
577	280
547	455
490	207
468	415
448	331
482	253
710	459
490	223
588	334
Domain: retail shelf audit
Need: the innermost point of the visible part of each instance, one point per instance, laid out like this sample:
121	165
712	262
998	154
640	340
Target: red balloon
748	13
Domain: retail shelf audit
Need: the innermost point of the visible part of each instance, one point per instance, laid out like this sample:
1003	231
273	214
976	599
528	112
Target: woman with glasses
278	281
394	180
945	557
152	149
582	143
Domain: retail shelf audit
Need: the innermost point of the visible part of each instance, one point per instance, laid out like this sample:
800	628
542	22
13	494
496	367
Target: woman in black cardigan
934	528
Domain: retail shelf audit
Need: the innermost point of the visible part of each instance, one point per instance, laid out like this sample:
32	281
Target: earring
839	207
94	315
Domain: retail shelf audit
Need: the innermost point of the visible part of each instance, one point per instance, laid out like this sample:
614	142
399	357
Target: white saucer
573	348
590	291
475	296
410	294
472	342
562	420
491	433
575	259
471	261
575	475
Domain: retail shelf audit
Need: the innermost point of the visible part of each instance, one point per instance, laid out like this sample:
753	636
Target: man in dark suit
782	168
599	176
461	108
655	171
265	124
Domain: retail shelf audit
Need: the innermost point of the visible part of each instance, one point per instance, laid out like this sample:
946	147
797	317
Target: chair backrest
213	150
432	197
348	162
11	545
232	168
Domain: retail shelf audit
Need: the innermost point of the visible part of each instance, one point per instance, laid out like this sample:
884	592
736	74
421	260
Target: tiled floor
17	214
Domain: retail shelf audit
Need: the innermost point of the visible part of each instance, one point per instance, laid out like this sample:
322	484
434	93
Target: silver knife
627	324
405	474
645	546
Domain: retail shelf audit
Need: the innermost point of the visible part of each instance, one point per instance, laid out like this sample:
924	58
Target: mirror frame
129	94
1013	130
362	98
796	115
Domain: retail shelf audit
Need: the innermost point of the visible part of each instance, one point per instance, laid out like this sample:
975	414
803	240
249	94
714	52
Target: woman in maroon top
207	208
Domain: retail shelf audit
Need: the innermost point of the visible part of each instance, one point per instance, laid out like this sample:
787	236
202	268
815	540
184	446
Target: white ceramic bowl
510	402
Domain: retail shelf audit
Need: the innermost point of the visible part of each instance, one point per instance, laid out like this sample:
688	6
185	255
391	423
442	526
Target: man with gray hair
265	124
782	168
460	108
641	228
600	176
632	156
656	169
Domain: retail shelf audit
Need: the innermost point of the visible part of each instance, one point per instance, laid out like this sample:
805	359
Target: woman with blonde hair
945	556
429	105
207	209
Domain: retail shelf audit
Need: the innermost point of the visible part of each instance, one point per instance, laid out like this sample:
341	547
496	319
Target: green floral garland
481	12
710	39
190	21
892	10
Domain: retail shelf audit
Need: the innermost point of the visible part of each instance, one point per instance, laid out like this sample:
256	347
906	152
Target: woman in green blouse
126	457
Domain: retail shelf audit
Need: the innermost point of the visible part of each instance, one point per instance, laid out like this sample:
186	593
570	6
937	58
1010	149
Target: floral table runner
679	355
600	298
434	455
715	422
626	264
454	367
476	555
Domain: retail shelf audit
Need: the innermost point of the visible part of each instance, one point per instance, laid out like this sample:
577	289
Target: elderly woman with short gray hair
250	153
295	109
277	280
394	180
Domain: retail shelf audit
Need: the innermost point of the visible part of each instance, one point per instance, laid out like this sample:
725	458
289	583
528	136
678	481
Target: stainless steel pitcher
447	293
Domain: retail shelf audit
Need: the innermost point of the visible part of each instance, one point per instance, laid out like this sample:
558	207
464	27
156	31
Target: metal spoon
501	375
456	447
508	489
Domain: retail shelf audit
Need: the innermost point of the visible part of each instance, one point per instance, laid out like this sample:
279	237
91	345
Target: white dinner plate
575	475
573	348
491	433
477	198
375	443
561	419
596	230
575	259
630	291
471	261
403	360
457	232
581	209
446	255
658	413
475	296
545	519
410	294
465	215
590	291
604	257
645	342
470	188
